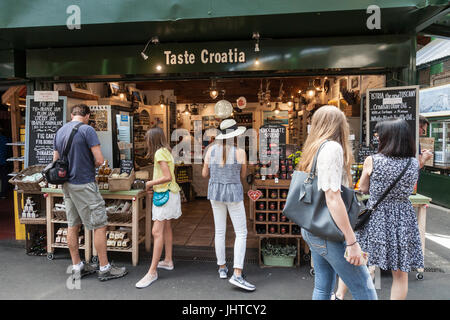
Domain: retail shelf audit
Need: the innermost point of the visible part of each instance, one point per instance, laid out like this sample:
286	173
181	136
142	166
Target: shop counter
140	223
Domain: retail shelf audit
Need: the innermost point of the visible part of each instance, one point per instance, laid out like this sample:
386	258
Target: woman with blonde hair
329	136
163	210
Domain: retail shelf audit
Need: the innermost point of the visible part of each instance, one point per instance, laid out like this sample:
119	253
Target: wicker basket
28	185
120	184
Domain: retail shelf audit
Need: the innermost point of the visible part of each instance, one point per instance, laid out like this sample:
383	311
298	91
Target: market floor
195	227
196	278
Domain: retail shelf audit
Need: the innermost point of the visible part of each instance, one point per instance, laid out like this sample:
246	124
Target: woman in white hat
225	164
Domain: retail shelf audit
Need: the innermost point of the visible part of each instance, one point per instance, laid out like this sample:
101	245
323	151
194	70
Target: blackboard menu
43	119
126	166
392	103
272	137
365	152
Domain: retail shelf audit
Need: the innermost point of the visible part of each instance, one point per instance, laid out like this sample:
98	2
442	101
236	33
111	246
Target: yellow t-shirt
163	154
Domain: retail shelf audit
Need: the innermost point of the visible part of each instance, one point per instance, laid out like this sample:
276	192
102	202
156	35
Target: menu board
272	137
126	166
43	119
392	103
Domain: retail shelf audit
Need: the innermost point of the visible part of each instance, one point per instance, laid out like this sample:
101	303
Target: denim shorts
84	205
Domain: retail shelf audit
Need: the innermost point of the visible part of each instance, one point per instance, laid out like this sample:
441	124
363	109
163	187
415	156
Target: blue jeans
328	258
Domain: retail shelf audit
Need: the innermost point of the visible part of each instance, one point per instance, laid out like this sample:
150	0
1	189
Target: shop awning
35	24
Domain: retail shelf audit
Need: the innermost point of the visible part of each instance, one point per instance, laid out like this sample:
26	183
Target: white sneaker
164	265
223	273
241	283
147	280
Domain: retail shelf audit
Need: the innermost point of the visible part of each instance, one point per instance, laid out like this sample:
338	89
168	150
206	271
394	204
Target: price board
43	119
392	103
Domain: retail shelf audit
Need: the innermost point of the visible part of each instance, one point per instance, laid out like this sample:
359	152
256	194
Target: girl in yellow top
163	180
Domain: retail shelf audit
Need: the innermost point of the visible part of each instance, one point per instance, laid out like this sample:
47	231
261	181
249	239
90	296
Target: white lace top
330	167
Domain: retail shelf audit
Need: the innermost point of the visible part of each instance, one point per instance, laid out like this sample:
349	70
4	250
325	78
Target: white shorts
170	210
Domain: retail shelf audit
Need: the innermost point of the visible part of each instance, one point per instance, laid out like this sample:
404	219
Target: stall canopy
42	24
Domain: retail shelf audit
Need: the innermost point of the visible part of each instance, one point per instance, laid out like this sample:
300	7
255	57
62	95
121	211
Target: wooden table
141	209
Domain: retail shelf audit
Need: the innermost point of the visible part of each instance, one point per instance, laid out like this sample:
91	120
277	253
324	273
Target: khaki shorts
84	205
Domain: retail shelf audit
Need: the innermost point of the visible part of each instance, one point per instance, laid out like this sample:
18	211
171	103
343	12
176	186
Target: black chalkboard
392	103
268	134
365	152
126	166
43	119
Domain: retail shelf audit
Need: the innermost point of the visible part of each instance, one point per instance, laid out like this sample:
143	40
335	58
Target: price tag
263	178
276	180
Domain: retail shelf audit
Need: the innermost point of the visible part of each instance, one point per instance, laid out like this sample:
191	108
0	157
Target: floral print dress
391	237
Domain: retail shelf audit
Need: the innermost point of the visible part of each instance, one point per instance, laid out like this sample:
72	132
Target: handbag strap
312	172
386	192
69	142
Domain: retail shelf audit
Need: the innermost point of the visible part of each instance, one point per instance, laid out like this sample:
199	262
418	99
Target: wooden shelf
65	246
78	95
40	220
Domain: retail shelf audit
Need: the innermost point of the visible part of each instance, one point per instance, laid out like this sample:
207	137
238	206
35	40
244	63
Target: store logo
374	21
74	20
206	57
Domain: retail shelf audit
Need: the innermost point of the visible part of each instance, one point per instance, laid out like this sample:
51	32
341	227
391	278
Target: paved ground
27	277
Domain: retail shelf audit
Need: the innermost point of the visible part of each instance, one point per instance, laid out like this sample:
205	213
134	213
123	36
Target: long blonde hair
327	123
155	139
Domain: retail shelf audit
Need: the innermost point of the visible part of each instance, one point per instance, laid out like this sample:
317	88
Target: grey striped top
225	182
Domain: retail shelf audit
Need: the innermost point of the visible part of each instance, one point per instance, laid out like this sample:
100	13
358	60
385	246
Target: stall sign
392	103
43	119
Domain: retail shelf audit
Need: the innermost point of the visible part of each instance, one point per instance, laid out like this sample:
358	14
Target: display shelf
65	246
262	227
15	144
141	210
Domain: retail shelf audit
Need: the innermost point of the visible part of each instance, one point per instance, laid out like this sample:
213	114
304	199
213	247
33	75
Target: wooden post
148	222
135	231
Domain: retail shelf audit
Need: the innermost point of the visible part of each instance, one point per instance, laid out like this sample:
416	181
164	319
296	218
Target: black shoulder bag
365	214
57	172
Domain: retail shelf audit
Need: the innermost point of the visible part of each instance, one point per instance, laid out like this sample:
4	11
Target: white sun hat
229	129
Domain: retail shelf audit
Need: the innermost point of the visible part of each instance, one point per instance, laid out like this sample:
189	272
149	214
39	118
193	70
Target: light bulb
277	111
310	93
144	56
121	96
257	61
289	103
158	67
213	94
161	105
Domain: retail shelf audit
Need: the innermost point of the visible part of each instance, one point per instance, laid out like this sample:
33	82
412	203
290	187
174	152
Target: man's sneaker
223	273
147	280
112	273
164	265
87	270
241	283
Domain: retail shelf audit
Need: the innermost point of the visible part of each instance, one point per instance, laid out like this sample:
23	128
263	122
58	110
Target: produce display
102	176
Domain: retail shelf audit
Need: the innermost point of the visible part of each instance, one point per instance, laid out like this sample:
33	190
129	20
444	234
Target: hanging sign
43	119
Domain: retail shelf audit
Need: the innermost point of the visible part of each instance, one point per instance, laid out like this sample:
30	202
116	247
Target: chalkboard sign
365	152
126	166
392	103
268	136
43	119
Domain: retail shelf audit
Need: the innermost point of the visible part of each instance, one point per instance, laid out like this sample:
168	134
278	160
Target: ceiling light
277	108
186	110
310	91
161	101
158	67
213	92
257	61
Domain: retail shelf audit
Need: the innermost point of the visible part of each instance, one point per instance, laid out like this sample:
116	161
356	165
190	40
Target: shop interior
187	104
